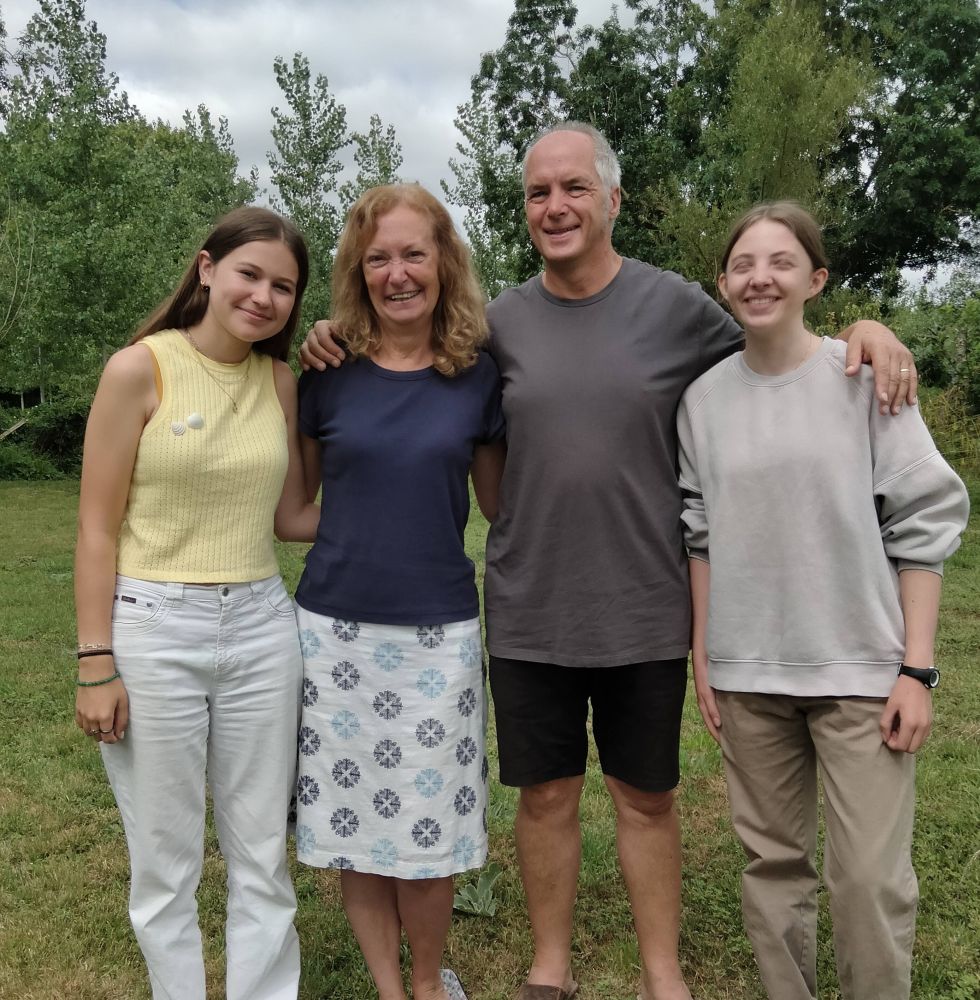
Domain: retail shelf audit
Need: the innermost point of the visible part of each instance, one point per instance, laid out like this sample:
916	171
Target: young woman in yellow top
189	661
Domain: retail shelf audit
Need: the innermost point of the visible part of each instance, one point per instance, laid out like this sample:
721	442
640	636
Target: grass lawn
64	932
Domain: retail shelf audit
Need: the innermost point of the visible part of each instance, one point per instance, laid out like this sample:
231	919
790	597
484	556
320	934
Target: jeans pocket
138	608
277	603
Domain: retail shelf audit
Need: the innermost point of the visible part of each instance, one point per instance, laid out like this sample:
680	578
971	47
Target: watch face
927	675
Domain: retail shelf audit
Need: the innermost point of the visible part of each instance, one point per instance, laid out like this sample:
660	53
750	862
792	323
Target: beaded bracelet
92	684
102	651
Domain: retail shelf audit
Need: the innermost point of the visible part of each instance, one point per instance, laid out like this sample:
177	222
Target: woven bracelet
93	684
103	651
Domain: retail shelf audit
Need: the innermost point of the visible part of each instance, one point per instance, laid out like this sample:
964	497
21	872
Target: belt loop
175	591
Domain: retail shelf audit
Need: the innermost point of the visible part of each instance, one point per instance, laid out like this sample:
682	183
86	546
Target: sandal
454	988
534	991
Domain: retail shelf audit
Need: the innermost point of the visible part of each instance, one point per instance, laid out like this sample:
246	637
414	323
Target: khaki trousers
772	745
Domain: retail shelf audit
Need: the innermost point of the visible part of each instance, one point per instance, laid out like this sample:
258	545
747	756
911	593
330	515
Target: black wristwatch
928	675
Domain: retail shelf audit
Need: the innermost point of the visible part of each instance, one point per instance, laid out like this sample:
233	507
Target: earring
205	288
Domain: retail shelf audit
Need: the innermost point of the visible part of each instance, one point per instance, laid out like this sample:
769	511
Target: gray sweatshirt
813	503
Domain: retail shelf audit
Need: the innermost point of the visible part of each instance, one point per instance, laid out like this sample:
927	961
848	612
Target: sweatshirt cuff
936	568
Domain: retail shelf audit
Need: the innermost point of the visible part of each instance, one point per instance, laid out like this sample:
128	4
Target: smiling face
401	271
569	211
769	277
252	291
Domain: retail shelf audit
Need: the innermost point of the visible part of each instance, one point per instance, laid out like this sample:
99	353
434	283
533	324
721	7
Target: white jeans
214	675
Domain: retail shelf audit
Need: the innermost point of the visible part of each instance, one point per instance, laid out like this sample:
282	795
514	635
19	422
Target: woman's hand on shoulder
321	348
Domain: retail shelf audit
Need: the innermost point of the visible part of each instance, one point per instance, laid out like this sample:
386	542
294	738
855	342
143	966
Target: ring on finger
105	732
904	371
94	732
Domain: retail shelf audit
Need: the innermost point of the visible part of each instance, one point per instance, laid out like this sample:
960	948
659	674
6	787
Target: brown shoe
534	991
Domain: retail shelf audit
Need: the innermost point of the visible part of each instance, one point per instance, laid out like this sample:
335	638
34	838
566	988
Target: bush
17	461
56	431
54	434
954	428
940	328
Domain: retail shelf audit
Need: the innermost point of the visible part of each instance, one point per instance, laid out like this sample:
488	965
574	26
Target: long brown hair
459	323
189	302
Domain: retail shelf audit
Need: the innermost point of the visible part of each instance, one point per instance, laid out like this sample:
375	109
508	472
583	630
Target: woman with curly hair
393	773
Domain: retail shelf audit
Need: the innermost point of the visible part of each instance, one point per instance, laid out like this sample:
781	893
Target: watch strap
925	675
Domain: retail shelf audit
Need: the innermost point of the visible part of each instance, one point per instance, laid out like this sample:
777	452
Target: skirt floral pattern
392	776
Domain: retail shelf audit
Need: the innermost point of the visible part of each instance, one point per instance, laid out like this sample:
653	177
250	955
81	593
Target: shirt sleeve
494	427
923	506
309	412
720	334
693	516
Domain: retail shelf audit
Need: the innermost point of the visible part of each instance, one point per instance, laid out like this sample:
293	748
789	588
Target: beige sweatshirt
810	503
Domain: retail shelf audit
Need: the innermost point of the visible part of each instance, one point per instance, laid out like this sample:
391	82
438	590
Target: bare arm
896	380
124	402
700	584
320	349
486	472
907	718
297	516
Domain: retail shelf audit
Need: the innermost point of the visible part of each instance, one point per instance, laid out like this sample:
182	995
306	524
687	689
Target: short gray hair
606	162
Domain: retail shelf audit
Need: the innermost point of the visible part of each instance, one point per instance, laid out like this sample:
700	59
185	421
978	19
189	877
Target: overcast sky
410	62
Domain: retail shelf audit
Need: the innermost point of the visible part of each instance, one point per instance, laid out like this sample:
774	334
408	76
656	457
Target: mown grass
64	932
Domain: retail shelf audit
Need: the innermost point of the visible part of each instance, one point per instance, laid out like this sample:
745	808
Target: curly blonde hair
459	324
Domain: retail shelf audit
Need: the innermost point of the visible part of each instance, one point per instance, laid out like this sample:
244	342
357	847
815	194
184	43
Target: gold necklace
207	371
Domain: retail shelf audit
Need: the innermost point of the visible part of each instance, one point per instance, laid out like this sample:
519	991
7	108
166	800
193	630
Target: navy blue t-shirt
395	454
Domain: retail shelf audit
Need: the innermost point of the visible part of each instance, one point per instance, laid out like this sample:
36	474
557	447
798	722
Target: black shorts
541	710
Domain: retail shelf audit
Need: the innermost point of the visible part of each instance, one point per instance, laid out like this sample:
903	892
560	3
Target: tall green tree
17	240
867	111
114	203
306	165
485	167
377	158
912	155
4	59
788	102
630	83
622	79
899	185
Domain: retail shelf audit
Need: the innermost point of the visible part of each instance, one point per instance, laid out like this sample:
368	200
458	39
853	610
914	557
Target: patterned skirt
392	775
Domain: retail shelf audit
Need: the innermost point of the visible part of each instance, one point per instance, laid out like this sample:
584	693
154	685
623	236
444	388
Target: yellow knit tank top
207	479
